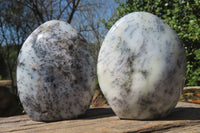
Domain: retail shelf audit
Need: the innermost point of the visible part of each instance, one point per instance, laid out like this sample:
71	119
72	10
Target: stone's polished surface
141	67
56	73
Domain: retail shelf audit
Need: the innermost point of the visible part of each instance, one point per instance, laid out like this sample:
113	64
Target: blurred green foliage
183	16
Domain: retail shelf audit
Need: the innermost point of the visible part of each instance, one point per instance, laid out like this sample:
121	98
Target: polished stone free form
55	73
141	67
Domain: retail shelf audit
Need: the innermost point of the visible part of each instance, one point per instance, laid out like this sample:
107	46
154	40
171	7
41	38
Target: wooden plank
5	83
191	88
184	118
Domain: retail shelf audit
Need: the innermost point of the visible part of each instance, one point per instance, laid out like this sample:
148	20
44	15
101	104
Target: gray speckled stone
56	73
141	67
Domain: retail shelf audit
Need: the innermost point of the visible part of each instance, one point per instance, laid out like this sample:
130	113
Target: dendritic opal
56	73
141	67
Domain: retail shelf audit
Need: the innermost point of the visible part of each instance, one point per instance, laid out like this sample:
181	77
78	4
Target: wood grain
184	118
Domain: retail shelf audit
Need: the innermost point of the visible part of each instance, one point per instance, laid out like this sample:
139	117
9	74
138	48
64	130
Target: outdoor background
93	18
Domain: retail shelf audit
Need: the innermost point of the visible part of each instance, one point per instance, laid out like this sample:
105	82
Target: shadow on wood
94	113
179	113
184	113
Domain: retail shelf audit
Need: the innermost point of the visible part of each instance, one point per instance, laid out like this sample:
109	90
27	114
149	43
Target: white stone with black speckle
141	67
56	73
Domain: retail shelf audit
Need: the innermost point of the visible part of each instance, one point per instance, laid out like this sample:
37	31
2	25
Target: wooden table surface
185	118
